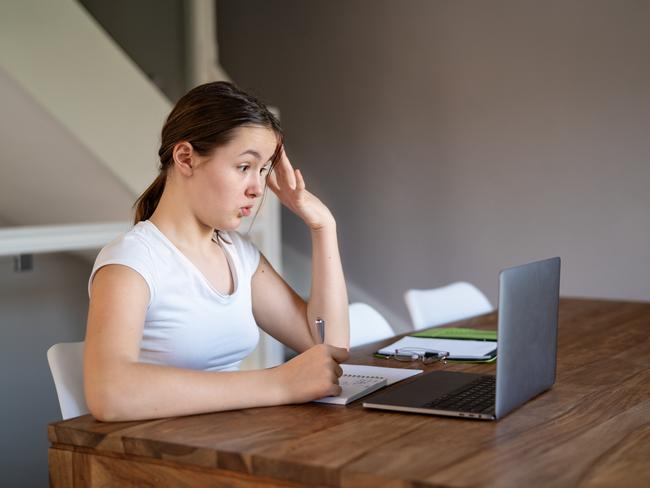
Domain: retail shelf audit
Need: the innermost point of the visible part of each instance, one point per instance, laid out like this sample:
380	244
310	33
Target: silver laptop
527	344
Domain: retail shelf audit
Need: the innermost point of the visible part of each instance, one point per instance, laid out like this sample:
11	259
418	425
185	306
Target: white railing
15	241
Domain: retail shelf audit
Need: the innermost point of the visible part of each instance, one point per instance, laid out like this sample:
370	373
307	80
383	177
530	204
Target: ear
184	158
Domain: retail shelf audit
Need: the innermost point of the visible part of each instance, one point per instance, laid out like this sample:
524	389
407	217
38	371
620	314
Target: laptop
527	345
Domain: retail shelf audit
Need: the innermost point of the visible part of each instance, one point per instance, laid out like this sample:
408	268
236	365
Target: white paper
353	387
360	380
455	347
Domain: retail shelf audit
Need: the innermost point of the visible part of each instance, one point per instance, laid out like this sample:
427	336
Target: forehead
250	140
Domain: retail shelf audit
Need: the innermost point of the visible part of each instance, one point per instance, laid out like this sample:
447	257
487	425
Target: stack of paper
457	348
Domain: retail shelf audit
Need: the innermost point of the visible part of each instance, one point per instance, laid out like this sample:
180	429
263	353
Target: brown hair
206	117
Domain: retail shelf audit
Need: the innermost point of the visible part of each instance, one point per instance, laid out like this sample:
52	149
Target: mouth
246	211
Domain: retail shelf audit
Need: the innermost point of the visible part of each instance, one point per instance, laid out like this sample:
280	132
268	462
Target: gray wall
37	309
152	33
451	139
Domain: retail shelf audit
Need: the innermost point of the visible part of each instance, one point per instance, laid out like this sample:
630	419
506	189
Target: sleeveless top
188	323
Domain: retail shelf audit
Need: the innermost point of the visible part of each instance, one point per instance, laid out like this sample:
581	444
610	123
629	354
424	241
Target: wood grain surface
591	429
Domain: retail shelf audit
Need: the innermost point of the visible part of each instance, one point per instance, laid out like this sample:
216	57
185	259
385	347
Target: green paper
458	333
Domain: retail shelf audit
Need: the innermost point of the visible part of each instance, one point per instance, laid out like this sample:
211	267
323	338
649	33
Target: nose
255	186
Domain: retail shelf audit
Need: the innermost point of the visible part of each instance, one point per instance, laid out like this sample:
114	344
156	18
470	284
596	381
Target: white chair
456	301
367	325
66	364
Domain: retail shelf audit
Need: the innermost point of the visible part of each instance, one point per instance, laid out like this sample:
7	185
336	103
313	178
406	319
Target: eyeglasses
427	356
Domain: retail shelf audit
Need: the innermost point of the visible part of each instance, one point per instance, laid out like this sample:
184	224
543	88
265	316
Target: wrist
279	385
327	225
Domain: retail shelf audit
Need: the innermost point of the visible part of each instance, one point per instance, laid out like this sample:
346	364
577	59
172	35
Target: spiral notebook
354	386
360	380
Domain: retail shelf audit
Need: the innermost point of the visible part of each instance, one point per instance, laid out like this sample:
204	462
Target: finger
333	378
275	175
272	181
338	353
338	370
300	181
286	172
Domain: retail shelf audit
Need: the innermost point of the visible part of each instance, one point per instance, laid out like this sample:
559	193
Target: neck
174	218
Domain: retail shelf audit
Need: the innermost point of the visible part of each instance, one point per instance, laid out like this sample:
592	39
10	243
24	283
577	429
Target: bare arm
118	387
328	298
286	316
278	310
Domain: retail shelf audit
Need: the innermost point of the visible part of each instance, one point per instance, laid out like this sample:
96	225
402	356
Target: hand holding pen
314	373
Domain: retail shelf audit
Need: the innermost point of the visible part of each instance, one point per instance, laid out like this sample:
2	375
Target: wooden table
591	429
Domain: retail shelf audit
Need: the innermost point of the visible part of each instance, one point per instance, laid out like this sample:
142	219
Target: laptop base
437	388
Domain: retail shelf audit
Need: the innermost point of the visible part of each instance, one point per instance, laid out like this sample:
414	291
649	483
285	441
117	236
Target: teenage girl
175	303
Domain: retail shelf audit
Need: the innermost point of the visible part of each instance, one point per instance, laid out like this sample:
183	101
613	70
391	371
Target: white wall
57	52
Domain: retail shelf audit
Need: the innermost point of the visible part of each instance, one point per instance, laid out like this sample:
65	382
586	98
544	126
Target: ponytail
146	203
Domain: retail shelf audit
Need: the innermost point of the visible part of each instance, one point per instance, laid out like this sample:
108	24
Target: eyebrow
257	155
252	152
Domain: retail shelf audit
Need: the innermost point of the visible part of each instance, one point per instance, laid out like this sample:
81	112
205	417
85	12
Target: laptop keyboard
475	397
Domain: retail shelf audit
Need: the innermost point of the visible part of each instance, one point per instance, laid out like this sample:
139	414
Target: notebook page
392	375
354	386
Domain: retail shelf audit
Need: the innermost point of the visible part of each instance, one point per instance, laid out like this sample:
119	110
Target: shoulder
132	249
135	243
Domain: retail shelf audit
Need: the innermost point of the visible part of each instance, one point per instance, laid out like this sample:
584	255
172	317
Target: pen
320	328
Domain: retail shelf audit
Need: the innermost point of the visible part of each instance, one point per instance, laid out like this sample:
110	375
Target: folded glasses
408	354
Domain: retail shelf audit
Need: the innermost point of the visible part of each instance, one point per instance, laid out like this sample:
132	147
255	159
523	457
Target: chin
230	226
224	225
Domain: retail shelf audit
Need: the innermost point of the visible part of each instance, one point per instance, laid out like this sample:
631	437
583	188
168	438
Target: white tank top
188	323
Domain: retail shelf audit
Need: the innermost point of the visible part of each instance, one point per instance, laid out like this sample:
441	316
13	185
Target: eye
264	169
243	168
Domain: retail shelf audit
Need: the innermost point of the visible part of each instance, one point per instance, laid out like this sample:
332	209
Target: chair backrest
66	364
367	325
437	306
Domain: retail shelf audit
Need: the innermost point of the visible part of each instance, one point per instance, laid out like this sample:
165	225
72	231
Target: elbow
106	404
103	414
103	408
